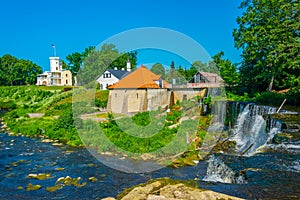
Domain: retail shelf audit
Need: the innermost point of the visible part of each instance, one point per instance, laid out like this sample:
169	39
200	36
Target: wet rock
109	198
157	197
169	189
142	192
93	179
47	140
33	187
39	176
54	188
57	144
20	188
67	181
59	169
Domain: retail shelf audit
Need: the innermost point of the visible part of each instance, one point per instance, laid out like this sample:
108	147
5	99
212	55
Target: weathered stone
108	198
182	119
156	197
158	190
93	179
39	176
142	192
54	188
33	187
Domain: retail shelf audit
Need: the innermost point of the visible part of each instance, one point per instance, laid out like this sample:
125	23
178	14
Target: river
272	174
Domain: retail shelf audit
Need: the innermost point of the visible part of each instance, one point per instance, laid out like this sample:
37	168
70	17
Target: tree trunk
271	84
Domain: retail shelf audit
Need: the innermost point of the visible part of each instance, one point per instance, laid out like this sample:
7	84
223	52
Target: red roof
140	78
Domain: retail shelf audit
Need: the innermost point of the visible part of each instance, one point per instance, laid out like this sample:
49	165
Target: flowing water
259	168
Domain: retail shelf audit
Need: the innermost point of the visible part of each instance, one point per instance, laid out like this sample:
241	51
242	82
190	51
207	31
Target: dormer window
107	75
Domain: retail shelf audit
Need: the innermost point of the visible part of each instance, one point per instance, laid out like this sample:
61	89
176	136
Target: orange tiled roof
140	78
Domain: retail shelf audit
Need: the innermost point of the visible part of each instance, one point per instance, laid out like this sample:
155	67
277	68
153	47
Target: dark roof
119	73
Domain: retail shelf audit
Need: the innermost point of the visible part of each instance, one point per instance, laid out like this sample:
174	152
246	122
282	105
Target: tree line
14	71
268	34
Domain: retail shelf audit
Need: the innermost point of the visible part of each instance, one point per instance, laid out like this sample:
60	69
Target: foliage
31	99
7	105
228	71
269	34
121	61
17	72
75	61
158	69
275	98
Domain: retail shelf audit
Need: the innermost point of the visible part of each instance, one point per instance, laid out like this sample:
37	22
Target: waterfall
252	130
218	171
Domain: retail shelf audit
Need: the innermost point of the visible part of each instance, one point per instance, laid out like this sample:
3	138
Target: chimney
128	65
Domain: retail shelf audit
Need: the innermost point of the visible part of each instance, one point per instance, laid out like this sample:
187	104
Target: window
66	81
56	68
66	75
184	97
137	95
101	87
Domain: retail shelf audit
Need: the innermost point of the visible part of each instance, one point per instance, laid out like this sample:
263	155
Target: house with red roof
141	90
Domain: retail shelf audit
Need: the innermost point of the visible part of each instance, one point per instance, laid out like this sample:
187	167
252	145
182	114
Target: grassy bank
53	103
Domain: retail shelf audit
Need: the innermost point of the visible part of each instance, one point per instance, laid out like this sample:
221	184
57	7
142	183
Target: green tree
75	61
121	61
228	71
95	63
17	72
191	72
269	36
158	69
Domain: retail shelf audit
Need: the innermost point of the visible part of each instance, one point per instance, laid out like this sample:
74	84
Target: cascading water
252	130
218	171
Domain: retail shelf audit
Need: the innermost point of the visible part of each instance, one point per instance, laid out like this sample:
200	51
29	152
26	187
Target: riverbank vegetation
40	111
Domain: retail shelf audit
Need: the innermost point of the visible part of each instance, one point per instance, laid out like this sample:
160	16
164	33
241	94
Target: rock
57	144
142	192
195	117
93	179
109	198
67	181
33	187
182	119
59	169
54	188
39	176
167	189
47	140
147	156
156	197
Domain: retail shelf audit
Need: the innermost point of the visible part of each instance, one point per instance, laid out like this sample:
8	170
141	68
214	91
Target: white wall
107	81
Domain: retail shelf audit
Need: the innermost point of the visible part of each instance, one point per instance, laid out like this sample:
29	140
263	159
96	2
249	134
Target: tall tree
95	63
17	72
121	61
269	36
158	68
75	61
228	71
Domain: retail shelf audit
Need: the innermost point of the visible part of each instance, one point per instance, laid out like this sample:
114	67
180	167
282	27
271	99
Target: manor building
56	76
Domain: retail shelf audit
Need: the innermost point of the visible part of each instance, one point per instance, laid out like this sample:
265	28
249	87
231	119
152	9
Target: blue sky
29	28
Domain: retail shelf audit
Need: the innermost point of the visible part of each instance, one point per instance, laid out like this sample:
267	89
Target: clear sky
29	28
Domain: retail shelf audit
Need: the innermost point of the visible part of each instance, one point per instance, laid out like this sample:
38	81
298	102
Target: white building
56	76
111	76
